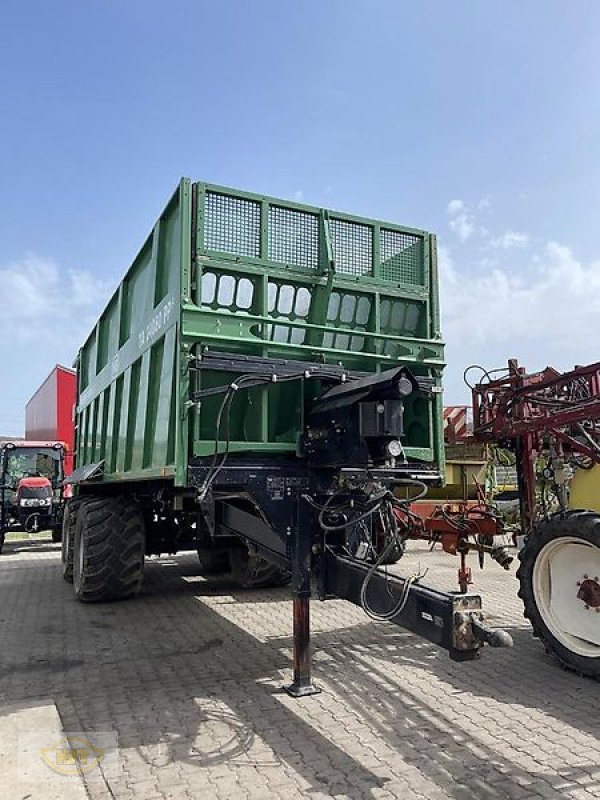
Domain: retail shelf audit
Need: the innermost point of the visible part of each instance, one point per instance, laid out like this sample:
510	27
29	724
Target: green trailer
263	379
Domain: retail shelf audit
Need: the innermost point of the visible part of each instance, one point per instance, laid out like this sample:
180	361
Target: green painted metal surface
244	273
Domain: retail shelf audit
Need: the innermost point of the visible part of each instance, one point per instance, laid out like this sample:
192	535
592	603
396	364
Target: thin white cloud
46	312
544	310
463	225
41	299
510	239
455	207
463	220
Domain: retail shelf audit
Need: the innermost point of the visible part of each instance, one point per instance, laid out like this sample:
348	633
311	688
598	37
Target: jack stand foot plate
302	689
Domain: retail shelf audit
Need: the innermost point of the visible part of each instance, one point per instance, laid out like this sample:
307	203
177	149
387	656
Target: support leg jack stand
302	685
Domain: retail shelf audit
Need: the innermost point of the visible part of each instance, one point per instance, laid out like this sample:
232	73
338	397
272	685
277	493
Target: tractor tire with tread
574	527
108	549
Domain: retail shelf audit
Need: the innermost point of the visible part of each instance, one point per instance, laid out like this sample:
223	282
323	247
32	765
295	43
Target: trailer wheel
108	549
253	572
213	561
559	578
68	532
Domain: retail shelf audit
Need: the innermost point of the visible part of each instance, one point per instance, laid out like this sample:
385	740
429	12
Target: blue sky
477	120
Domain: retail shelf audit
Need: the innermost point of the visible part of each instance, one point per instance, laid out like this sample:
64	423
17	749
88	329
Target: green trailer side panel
125	412
248	274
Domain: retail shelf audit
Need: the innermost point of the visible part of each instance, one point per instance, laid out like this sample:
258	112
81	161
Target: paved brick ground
190	675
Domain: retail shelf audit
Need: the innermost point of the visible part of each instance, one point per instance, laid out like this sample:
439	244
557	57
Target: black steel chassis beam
440	617
255	532
289	536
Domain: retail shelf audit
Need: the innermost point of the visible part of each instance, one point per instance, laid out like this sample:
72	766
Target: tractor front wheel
559	578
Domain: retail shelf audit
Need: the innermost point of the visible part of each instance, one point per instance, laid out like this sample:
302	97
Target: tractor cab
31	490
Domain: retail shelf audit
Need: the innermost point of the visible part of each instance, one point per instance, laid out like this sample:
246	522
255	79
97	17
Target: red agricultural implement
551	422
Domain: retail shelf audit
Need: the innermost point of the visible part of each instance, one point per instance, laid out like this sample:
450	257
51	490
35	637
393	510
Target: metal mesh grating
232	225
293	237
352	247
401	257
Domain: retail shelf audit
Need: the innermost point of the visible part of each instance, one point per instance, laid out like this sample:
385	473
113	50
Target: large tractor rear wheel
559	579
108	549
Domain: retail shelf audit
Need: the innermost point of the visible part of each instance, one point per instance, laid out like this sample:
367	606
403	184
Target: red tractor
31	487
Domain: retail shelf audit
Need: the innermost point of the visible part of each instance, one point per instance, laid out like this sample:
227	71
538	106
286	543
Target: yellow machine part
585	489
460	474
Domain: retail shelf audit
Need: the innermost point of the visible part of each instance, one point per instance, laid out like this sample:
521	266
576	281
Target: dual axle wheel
103	548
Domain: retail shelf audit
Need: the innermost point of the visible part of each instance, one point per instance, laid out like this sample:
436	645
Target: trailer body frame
264	368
